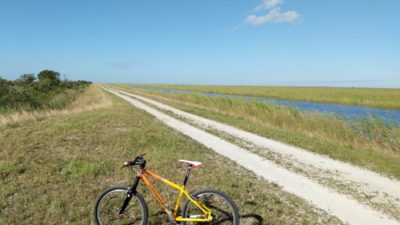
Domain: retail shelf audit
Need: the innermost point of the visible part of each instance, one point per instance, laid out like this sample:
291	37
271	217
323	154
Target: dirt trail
343	207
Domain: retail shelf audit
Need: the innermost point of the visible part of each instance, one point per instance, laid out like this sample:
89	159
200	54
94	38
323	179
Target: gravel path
343	207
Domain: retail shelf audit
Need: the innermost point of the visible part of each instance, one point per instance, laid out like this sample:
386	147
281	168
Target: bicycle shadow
255	219
160	217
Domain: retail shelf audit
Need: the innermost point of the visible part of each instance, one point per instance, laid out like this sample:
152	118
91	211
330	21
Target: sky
353	43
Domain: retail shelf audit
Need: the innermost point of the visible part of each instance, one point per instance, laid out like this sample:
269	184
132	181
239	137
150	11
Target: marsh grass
72	101
368	142
52	170
371	97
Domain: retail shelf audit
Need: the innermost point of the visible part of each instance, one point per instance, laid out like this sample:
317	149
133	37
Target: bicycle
125	205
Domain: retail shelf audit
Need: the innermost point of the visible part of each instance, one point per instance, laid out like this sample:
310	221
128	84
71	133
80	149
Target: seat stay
206	211
199	205
177	203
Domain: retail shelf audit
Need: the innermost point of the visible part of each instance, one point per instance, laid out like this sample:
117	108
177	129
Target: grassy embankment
53	169
371	97
46	91
54	101
368	143
74	101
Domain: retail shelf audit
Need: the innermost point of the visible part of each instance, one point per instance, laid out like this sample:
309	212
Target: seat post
187	175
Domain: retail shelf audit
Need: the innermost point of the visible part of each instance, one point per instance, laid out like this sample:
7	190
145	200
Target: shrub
29	93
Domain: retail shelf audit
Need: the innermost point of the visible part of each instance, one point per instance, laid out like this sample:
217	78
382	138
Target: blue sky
250	42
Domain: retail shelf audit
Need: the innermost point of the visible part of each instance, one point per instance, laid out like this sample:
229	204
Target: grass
371	97
53	101
53	169
27	93
368	143
92	97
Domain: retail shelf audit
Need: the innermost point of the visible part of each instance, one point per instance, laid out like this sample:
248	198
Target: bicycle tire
136	201
233	219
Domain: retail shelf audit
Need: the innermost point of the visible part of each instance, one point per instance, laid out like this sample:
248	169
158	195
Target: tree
3	87
26	79
4	90
48	79
49	74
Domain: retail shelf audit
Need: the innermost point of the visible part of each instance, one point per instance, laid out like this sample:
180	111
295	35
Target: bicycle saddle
193	164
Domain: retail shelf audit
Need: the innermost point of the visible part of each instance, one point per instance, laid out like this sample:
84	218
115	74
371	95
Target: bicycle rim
108	209
224	211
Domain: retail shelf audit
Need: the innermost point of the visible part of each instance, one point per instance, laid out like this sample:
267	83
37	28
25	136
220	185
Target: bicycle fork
131	191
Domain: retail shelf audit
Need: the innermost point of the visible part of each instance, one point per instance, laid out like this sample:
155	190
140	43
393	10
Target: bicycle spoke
222	211
110	205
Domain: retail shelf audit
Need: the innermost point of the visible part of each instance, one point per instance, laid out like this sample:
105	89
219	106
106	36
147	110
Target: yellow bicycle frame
207	217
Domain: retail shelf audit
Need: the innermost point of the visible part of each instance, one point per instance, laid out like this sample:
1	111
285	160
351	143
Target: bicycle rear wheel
108	204
224	210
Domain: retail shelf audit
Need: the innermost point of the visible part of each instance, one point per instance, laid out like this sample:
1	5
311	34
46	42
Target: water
343	111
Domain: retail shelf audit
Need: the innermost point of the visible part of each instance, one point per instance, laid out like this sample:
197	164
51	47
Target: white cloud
268	4
273	15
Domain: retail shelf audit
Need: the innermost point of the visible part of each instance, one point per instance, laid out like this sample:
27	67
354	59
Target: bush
29	93
26	79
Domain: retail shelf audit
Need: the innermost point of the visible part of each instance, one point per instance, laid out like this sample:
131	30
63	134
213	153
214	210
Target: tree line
30	91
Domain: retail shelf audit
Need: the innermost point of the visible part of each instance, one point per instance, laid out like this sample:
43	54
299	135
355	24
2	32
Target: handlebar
138	161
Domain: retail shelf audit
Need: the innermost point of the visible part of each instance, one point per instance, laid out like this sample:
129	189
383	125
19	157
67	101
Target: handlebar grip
139	160
127	163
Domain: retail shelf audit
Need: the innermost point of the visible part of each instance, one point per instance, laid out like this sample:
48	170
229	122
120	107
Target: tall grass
69	102
371	97
366	133
55	100
63	98
368	142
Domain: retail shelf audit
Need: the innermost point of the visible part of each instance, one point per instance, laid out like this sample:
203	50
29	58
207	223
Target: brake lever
126	164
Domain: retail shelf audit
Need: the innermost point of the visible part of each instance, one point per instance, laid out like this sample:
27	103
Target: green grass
368	143
64	98
52	101
371	97
52	170
90	98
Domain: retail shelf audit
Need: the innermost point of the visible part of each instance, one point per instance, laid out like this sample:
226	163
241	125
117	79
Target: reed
372	97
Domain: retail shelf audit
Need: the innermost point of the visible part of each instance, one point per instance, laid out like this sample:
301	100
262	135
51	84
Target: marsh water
343	111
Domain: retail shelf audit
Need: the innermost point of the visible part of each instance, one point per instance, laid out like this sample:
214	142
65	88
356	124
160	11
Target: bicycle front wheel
224	210
108	205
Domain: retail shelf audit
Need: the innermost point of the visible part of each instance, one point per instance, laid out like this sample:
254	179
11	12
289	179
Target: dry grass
92	98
